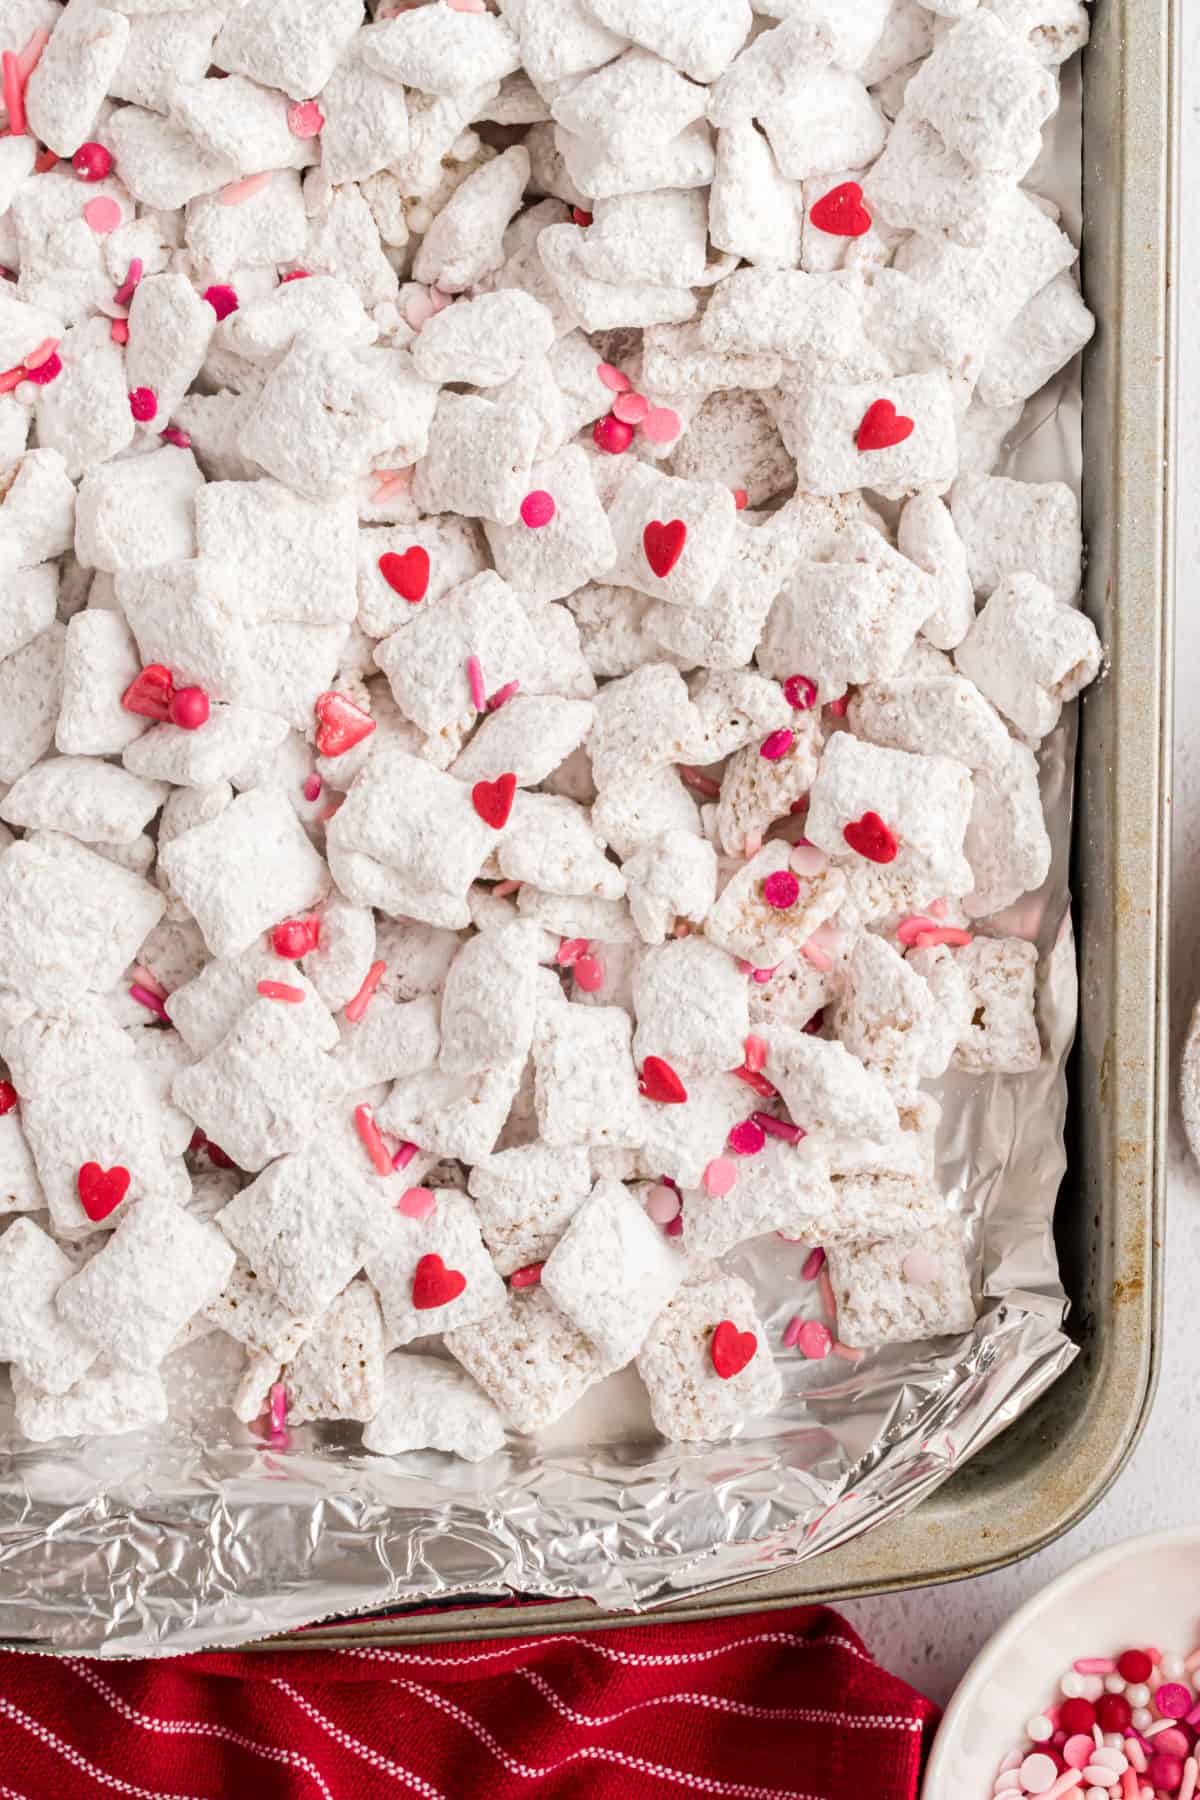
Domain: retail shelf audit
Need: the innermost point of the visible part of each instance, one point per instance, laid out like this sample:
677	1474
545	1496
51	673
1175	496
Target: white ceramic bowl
1144	1591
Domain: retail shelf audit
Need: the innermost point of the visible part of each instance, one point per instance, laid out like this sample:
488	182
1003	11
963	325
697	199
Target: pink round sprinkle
631	408
756	1053
781	890
919	1267
589	973
143	404
613	378
662	1205
1164	1772
91	162
801	692
746	1138
662	425
719	1176
304	120
312	787
1038	1772
1173	1742
814	1262
808	861
1172	1700
189	708
416	1203
777	744
762	976
222	298
102	214
612	435
814	1340
128	287
538	508
118	331
1077	1751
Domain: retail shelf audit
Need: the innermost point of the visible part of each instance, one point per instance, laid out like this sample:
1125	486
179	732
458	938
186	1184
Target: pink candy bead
1164	1772
719	1176
304	120
612	435
92	162
756	1053
777	744
103	215
189	708
538	508
781	890
631	409
800	692
143	404
662	1205
662	426
589	974
814	1340
1172	1700
746	1139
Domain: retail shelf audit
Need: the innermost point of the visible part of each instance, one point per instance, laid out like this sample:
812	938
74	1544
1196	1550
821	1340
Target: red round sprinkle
800	692
1113	1712
1076	1716
222	299
741	499
189	708
777	744
143	404
1134	1666
1164	1773
781	890
746	1138
91	162
731	1349
8	1097
611	435
882	427
589	973
538	508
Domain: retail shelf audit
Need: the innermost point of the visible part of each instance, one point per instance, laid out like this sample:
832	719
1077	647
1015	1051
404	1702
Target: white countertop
930	1636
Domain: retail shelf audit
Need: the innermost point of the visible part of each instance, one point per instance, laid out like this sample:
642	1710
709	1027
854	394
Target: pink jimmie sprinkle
143	404
279	1405
222	298
741	499
815	956
702	784
814	1262
144	978
118	331
150	1001
942	934
31	55
304	120
792	1331
762	976
312	787
354	1009
589	974
612	435
281	990
12	378
404	1155
814	1340
613	379
746	1138
662	425
570	951
800	692
911	927
755	1079
125	292
45	350
475	680
631	409
173	435
756	1052
720	1175
527	1277
239	191
102	214
778	1128
14	98
417	1203
502	695
372	1140
537	509
846	1353
503	889
389	484
781	890
825	1285
777	744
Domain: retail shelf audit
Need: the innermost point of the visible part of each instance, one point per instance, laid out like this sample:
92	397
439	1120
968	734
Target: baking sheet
202	1534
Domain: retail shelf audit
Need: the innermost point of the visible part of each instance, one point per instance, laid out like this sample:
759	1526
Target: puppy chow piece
1048	331
20	1189
1030	654
68	84
159	1268
206	1008
337	1372
290	558
906	815
901	1289
826	121
1002	1034
673	537
248	1311
465	241
699	1387
756	789
458	1116
433	1273
429	1404
562	537
259	1094
288	44
1007	844
612	1272
529	1359
825	1087
108	1400
70	920
484	342
532	735
755	212
690	1001
1019	527
489	1000
34	1338
551	842
887	1017
934	714
927	536
85	798
986	95
84	412
133	513
245	870
769	908
643	723
479	460
525	1198
672	876
896	437
685	1137
585	1082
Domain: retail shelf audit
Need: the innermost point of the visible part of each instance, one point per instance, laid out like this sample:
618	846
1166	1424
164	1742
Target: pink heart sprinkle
102	214
814	1340
662	1205
416	1203
613	378
538	508
631	409
304	120
719	1176
919	1267
662	425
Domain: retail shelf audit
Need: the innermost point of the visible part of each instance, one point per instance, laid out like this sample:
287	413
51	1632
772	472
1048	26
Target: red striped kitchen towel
770	1706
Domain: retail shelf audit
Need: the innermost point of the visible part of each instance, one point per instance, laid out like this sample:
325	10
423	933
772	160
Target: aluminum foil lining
200	1534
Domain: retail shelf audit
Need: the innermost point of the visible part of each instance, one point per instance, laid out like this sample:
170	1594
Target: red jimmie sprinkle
354	1009
280	990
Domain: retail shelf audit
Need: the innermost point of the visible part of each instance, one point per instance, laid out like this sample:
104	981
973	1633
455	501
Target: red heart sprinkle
660	1082
841	212
101	1191
149	694
663	545
882	427
871	838
407	575
340	724
731	1349
493	800
434	1284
